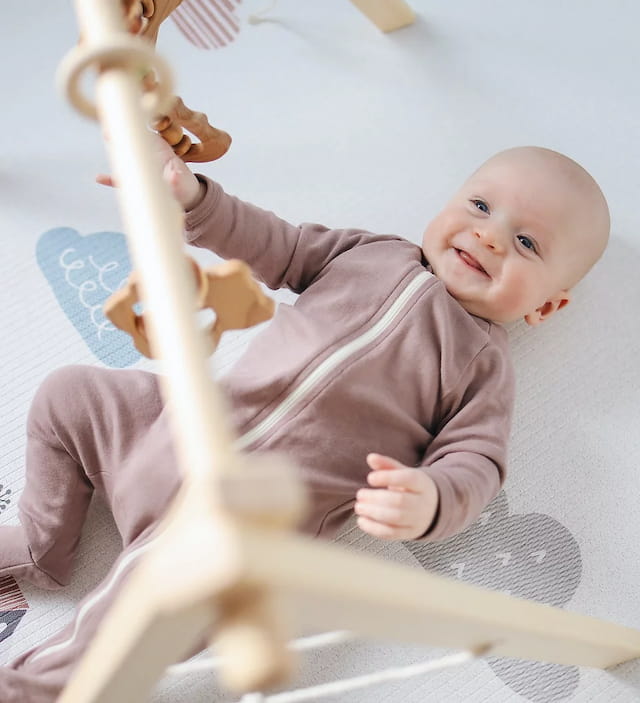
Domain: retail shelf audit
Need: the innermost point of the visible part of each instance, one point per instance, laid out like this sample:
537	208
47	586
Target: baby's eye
526	242
481	205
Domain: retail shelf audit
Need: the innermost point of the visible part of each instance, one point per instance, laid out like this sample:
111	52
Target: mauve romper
374	355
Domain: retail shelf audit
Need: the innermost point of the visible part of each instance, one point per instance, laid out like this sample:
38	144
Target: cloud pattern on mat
83	271
530	556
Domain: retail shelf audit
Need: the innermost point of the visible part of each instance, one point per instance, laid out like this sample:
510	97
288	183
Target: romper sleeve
467	457
279	253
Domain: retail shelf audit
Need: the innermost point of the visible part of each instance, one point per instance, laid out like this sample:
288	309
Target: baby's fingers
396	479
386	514
382	530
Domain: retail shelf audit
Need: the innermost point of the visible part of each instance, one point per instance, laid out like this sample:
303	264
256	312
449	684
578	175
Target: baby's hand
186	188
402	502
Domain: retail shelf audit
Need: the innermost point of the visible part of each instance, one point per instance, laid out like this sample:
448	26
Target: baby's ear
544	312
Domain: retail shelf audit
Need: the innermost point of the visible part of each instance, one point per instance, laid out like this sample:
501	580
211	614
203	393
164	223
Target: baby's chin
479	308
468	296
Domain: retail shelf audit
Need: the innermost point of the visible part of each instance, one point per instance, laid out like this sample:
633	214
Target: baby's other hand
401	503
186	188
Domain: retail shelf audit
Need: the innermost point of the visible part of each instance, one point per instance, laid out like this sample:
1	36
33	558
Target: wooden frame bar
153	222
387	15
263	578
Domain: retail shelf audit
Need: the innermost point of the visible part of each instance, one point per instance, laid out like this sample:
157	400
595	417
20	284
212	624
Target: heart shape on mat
530	556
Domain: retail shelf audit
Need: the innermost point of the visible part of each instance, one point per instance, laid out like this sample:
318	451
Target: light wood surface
260	572
387	15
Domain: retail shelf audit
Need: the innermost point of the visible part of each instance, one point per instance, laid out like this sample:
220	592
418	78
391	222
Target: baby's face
504	243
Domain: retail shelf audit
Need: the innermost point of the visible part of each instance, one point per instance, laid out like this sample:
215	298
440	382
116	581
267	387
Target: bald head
584	220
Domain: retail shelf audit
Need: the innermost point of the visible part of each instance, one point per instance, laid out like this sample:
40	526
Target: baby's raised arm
186	188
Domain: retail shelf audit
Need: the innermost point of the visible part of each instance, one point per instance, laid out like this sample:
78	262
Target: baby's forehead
536	168
507	171
527	185
541	203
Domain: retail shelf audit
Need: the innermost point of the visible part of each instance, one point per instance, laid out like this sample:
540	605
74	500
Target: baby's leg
129	455
39	675
82	424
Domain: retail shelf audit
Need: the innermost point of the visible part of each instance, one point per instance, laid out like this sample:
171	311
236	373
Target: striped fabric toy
207	24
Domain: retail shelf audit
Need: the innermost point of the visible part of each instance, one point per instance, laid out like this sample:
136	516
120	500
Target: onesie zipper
330	363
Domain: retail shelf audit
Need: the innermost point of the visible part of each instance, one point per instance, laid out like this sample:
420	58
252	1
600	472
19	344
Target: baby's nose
490	240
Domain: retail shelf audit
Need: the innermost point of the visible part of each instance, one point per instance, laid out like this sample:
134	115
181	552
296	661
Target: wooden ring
124	51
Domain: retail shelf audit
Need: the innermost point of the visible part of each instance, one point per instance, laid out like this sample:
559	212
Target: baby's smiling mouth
470	261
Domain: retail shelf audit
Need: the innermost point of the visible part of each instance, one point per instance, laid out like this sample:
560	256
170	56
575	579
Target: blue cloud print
83	271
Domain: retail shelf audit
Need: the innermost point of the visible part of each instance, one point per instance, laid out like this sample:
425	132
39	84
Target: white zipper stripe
330	363
95	598
260	429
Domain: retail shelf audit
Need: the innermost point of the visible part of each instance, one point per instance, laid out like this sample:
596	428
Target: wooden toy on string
227	289
208	25
143	18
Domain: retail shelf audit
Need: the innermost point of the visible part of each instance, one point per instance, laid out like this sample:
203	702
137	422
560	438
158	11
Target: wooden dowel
331	587
387	15
153	222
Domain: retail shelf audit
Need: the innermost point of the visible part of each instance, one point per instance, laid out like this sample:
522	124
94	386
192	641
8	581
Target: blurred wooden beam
387	15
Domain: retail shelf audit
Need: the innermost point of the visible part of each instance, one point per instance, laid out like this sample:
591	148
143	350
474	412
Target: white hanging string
324	639
259	16
327	639
333	688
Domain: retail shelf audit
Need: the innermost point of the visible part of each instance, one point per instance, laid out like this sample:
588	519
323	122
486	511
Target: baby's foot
16	561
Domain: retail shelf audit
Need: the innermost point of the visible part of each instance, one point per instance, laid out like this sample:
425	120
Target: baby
388	382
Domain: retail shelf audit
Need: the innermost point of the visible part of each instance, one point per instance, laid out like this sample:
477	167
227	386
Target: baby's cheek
514	300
